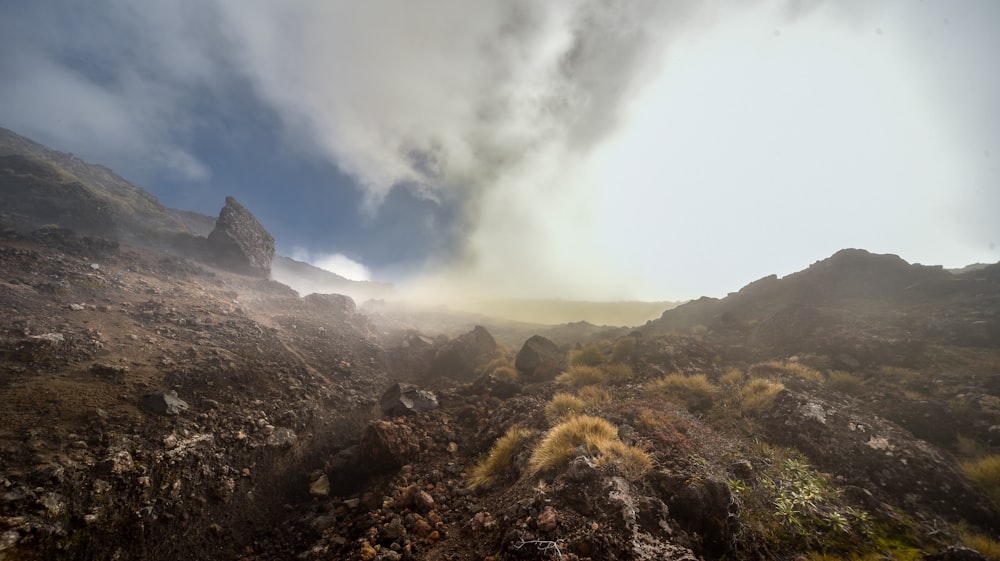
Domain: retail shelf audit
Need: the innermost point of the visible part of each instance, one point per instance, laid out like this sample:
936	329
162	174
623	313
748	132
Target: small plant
985	473
622	350
580	376
497	463
590	355
986	546
562	406
694	392
758	395
844	382
594	395
560	444
618	373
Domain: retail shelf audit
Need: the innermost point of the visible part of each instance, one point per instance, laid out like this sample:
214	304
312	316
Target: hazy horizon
581	150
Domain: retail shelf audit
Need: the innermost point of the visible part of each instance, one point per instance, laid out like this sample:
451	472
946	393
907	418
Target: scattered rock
320	487
387	446
404	399
165	403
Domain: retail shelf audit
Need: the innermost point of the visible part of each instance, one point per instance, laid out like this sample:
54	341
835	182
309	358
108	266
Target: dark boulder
405	399
540	359
459	358
239	242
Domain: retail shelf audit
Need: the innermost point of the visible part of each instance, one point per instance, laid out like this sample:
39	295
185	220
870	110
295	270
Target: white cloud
654	148
337	263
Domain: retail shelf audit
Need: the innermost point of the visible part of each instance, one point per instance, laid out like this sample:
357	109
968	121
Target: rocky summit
159	403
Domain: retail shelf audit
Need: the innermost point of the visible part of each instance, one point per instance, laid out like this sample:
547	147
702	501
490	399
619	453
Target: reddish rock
387	446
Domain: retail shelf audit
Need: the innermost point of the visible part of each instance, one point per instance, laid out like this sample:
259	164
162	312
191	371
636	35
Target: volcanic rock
387	446
540	359
459	358
875	454
403	399
239	242
336	304
165	403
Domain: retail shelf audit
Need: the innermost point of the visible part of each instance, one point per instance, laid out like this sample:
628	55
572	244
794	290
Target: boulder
386	446
540	359
459	358
335	304
239	242
165	403
405	399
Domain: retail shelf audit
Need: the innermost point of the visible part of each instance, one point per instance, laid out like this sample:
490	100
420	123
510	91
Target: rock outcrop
540	359
458	359
239	242
874	454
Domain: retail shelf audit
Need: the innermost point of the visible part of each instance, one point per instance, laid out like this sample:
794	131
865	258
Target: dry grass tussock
598	437
731	377
562	406
693	391
844	382
778	368
589	355
630	462
594	395
986	546
492	468
623	348
618	373
580	376
985	473
758	395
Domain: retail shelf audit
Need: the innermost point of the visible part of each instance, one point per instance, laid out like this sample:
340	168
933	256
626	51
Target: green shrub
579	376
985	473
618	373
694	392
589	355
493	467
844	382
622	350
562	406
559	445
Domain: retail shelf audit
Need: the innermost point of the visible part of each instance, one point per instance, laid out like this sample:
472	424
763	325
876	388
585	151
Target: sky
584	149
